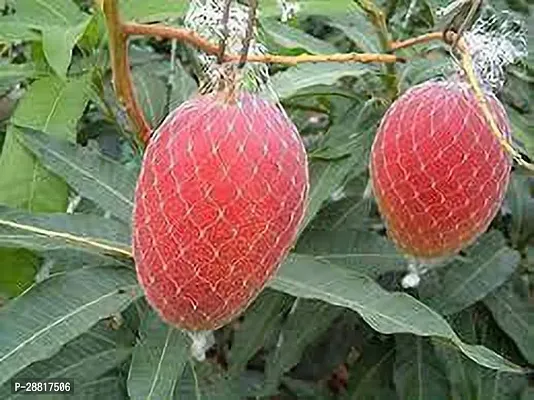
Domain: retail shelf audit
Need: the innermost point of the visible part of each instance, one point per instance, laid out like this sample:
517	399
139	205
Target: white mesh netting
222	190
206	18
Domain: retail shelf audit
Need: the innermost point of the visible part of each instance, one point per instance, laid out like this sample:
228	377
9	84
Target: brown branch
122	79
428	37
192	38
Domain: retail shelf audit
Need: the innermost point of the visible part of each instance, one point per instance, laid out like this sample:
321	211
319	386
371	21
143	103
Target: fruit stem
122	79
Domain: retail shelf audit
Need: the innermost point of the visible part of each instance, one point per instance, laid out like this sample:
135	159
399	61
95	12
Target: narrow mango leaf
11	74
522	207
54	107
151	91
371	375
358	29
528	393
61	23
58	43
515	316
158	360
82	360
418	374
94	176
358	249
12	31
261	320
56	231
52	313
468	379
386	312
18	268
308	390
39	14
290	82
153	10
109	386
293	38
296	334
325	178
206	381
488	264
183	86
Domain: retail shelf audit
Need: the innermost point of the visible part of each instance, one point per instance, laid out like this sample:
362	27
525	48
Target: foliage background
335	322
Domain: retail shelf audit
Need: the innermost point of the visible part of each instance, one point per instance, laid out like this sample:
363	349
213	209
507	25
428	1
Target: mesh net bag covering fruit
222	190
439	172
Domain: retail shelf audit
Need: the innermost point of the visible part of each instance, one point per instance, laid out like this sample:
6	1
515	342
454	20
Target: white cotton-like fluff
206	18
495	42
288	9
202	342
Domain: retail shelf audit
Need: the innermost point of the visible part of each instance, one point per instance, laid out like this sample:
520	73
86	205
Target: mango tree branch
122	79
192	38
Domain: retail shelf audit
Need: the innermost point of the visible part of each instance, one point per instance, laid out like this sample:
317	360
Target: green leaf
418	374
325	178
290	82
296	334
109	386
528	394
488	264
358	249
158	360
515	316
352	133
262	319
151	92
11	74
54	107
18	267
371	375
52	313
386	312
61	23
58	43
206	381
358	29
153	10
522	208
58	231
293	38
40	14
82	360
107	183
183	86
12	31
468	379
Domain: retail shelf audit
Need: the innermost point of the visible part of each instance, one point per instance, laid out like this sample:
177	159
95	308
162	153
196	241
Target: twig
224	38
249	33
192	38
428	37
122	79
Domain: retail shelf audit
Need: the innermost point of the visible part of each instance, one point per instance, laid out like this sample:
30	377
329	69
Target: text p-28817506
35	386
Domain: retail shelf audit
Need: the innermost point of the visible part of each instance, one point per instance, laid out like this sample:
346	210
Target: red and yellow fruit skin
221	194
438	173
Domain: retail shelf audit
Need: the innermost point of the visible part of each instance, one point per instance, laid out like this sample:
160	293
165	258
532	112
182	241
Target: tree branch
122	79
192	38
